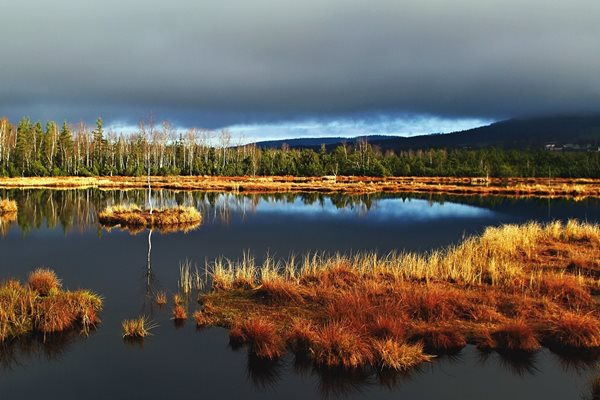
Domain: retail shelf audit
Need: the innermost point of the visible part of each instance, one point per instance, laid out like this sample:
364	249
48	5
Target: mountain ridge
577	132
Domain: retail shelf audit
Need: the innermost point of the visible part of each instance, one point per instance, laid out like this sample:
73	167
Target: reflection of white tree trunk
149	265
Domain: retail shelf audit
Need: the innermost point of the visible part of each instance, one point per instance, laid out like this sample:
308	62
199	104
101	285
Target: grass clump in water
137	328
44	281
42	307
160	298
167	220
8	207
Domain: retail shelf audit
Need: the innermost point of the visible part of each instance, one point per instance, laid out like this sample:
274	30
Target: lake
59	229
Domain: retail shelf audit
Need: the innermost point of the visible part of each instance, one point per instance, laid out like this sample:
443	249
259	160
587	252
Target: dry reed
513	288
166	220
41	307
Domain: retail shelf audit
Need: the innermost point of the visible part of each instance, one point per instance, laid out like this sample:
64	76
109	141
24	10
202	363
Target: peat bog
321	295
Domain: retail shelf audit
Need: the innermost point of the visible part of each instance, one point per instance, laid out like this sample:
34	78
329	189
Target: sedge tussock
137	328
44	281
42	307
160	298
8	206
179	313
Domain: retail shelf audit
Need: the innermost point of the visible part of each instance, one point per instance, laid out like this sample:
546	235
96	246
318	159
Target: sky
280	68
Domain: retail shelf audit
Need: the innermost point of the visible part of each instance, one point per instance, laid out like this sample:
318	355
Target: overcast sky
276	67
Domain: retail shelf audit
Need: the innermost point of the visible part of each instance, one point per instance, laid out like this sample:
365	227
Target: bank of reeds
514	288
548	187
166	220
42	306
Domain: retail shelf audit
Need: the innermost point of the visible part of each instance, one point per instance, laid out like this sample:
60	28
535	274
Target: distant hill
318	142
576	132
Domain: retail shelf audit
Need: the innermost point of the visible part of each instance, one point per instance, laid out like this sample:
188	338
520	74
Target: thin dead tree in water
147	135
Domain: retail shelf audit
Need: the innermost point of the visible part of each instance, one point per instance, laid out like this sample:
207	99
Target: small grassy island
8	207
512	289
42	307
166	220
8	214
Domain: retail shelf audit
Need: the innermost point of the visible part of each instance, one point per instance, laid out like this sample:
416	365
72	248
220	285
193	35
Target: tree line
35	149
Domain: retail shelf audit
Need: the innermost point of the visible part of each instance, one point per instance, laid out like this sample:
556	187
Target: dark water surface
59	229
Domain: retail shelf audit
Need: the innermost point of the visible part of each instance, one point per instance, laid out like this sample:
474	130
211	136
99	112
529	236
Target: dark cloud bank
216	63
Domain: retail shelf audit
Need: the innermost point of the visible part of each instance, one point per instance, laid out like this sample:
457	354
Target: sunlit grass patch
398	355
505	290
8	206
516	335
179	313
262	337
166	220
137	328
42	307
44	281
160	298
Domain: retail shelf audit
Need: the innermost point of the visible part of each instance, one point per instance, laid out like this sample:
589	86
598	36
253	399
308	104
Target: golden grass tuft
56	313
178	299
516	336
337	345
399	356
44	281
203	319
441	339
262	336
8	206
41	307
179	313
574	330
160	298
137	328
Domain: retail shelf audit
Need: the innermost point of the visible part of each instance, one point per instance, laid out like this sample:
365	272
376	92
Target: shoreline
518	187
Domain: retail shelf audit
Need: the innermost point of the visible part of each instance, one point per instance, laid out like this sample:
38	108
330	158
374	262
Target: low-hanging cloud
219	63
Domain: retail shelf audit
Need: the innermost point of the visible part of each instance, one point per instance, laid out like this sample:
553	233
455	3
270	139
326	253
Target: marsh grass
166	220
44	281
179	313
548	187
137	328
42	307
511	289
8	206
189	278
160	298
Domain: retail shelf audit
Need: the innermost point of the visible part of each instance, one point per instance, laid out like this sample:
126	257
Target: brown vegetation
503	290
8	206
166	220
44	281
179	313
137	328
549	187
41	307
160	298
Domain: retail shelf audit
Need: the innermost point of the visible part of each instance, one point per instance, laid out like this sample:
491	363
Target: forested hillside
35	149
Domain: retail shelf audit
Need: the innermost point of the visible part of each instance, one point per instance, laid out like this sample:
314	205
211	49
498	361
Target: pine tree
99	145
65	145
23	145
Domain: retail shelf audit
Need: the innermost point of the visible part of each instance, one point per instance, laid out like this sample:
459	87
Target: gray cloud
215	63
